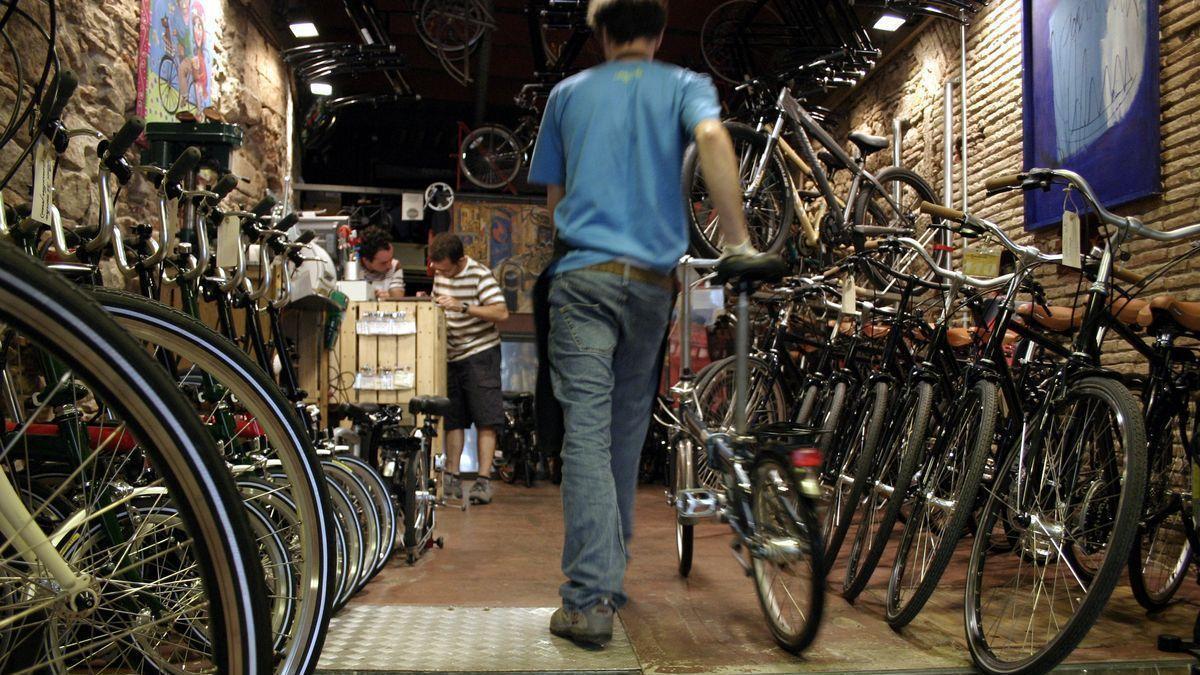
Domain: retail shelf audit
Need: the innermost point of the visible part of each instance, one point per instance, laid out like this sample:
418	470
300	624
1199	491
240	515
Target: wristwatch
465	305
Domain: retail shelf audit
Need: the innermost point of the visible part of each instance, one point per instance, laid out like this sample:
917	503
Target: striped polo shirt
467	335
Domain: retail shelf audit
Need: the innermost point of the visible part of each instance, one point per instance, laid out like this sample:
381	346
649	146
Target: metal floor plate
424	639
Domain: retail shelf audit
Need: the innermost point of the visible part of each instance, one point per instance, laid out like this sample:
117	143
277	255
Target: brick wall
98	39
910	86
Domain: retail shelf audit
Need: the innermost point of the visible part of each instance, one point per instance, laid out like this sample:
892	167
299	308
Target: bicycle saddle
1127	310
1165	308
516	396
868	144
429	405
1057	319
764	267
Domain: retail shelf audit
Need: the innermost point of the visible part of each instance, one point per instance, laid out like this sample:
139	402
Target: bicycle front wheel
854	470
681	479
1072	508
788	571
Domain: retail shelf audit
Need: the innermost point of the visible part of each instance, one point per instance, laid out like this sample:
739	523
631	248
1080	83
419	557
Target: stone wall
910	86
98	40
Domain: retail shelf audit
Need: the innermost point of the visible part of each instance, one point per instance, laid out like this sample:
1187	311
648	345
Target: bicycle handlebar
62	87
222	189
263	207
1023	252
976	282
122	141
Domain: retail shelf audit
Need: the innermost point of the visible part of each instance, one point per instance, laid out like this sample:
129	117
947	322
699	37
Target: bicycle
776	187
518	442
409	464
492	156
768	477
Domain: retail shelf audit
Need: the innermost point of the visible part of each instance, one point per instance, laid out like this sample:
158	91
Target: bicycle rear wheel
1074	507
366	517
491	157
789	576
154	445
872	208
382	499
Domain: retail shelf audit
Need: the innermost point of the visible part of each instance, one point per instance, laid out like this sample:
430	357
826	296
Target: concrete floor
507	555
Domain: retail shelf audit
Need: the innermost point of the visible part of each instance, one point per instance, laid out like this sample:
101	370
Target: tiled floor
506	556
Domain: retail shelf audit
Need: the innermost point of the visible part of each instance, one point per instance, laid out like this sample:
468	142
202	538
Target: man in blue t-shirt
610	153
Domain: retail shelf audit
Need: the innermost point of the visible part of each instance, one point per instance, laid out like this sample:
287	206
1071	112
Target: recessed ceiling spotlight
889	22
304	29
321	88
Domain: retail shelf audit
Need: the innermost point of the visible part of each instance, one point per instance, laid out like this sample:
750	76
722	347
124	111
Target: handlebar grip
124	138
1005	181
222	188
60	91
287	221
942	212
1127	275
264	206
306	237
183	164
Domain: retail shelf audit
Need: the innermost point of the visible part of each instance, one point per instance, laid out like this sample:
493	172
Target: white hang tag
43	181
172	223
1070	240
3	218
849	296
229	240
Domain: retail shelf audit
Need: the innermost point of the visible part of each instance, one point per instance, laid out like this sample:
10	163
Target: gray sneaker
481	492
453	486
592	626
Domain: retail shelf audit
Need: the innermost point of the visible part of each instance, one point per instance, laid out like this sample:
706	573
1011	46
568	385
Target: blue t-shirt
614	137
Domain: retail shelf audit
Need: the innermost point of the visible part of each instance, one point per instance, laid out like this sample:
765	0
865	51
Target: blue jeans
605	334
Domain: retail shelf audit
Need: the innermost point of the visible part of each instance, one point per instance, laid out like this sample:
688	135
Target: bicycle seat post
742	358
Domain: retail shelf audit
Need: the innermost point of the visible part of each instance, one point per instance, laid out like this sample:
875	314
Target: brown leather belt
627	271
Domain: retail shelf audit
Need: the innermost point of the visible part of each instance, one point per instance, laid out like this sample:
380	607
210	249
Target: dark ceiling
410	141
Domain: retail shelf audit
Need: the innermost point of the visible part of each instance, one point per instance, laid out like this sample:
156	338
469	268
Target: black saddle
438	406
868	144
761	268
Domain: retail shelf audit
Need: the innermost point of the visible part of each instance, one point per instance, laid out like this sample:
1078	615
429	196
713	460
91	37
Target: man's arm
554	195
719	165
494	313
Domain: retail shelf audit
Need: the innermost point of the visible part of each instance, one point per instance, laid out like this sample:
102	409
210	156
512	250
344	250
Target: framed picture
1091	99
176	57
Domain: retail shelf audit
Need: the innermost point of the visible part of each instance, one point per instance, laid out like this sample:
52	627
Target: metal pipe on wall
962	79
943	256
897	137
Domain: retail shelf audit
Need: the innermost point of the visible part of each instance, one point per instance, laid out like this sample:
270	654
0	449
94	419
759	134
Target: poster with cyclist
176	57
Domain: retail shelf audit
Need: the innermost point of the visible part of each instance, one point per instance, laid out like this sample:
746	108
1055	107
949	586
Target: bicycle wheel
872	208
728	44
1162	552
277	571
789	577
491	157
451	26
1075	506
766	404
828	400
159	452
418	504
352	558
768	215
890	488
681	479
366	518
950	477
381	497
853	471
258	427
168	85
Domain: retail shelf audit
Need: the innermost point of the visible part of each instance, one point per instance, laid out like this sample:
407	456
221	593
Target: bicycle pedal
696	504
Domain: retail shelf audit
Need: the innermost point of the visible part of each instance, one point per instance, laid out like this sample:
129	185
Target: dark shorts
473	386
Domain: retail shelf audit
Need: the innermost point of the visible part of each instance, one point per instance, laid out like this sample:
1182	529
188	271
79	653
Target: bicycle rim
381	497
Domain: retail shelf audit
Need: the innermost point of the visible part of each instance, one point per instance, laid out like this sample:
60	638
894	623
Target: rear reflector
806	457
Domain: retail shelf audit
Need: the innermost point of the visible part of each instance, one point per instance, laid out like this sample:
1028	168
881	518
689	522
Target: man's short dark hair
374	240
446	246
627	20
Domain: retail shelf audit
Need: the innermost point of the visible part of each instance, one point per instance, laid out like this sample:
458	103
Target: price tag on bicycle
849	295
1070	240
229	240
43	181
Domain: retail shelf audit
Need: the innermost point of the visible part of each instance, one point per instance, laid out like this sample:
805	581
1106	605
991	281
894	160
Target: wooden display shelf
424	351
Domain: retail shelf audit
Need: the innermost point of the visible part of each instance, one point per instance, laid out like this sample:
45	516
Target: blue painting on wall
1091	99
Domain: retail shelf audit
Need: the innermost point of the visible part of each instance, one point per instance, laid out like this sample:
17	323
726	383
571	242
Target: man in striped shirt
379	263
474	304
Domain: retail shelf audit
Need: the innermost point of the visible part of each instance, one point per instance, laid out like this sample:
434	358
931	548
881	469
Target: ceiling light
321	88
304	29
889	22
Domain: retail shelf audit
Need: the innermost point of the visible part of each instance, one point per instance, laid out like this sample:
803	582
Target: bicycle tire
827	414
73	329
905	450
382	498
289	448
794	519
715	384
353	558
1162	541
366	518
491	157
982	404
416	506
1127	413
864	208
684	533
766	236
840	512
